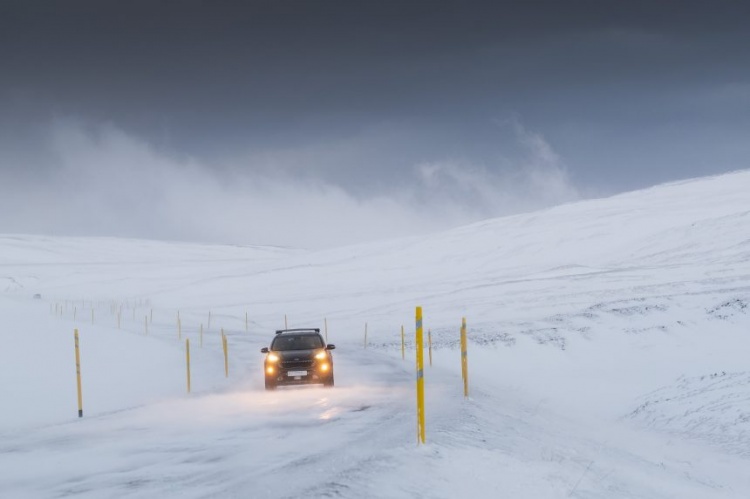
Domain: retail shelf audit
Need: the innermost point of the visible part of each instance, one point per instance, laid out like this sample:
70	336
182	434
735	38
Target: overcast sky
318	123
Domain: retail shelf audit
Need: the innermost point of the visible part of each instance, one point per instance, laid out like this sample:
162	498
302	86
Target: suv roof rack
299	330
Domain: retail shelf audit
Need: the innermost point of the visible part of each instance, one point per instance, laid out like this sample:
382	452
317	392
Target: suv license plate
297	373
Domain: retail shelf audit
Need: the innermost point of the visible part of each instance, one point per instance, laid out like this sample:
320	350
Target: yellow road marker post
226	353
420	378
464	359
78	375
403	344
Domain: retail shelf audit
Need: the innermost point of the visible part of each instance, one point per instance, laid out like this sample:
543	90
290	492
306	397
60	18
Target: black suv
297	357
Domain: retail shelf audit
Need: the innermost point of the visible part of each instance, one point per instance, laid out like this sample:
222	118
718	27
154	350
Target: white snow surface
608	358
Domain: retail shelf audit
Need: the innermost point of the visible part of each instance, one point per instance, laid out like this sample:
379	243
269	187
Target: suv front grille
297	364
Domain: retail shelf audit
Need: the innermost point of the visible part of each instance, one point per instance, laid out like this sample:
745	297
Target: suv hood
295	354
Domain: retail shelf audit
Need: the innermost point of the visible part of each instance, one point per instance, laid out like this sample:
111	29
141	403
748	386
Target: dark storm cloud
193	67
373	97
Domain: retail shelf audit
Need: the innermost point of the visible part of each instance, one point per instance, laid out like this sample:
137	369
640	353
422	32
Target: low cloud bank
102	182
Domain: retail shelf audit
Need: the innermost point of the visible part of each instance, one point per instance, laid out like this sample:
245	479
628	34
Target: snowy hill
595	328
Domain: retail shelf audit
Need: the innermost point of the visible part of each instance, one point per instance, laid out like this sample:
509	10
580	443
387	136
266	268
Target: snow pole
286	324
464	359
226	353
187	359
78	375
420	378
403	344
208	326
325	322
429	345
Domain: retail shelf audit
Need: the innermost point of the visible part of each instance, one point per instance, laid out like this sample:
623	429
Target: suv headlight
321	355
272	357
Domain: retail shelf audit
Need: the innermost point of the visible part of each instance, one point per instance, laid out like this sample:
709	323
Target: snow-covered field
609	357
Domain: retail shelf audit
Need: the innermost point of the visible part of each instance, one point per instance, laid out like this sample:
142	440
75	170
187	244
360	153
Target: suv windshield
297	342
